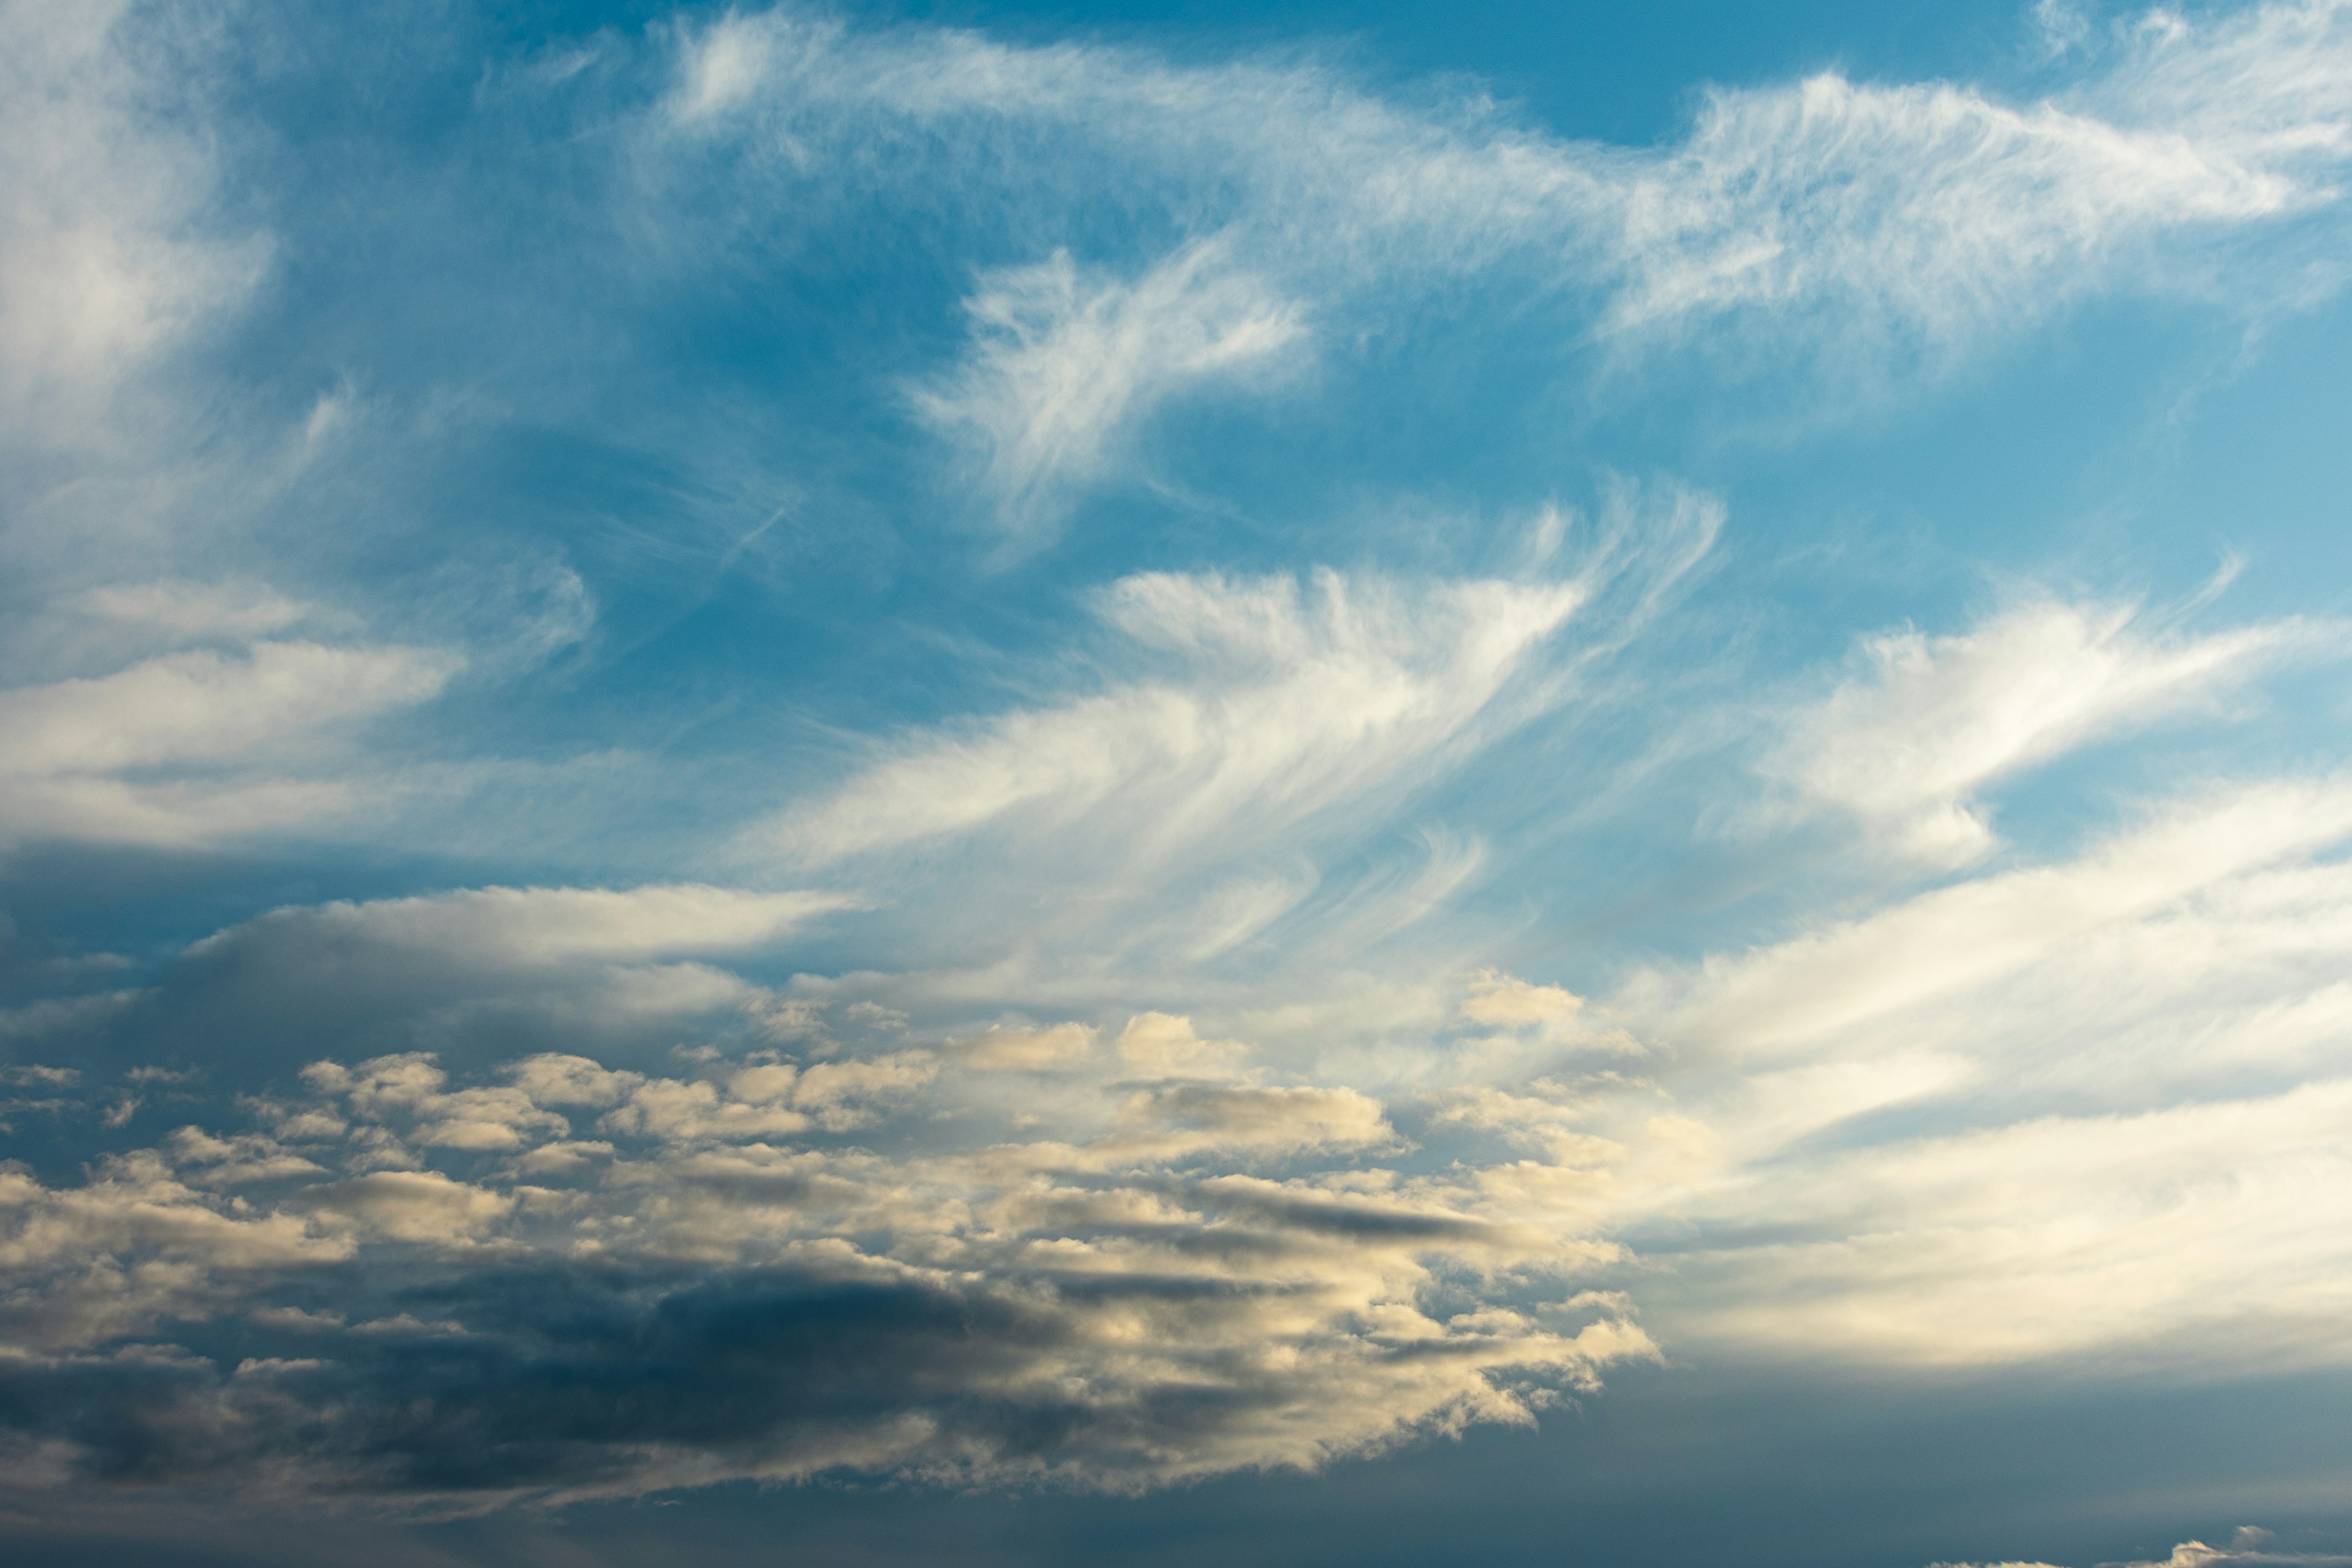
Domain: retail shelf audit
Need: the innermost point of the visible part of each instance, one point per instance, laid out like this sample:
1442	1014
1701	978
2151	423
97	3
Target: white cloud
1930	212
769	1099
1063	367
523	927
2251	1546
540	973
411	1084
1905	747
188	747
1011	1049
1780	997
1866	222
1184	1120
1220	1280
1494	997
1163	1045
177	608
1299	702
2201	1236
202	708
104	253
411	1205
2080	1111
553	1078
2062	24
63	1252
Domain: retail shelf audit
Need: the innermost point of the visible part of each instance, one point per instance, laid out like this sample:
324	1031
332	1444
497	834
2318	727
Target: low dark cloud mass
806	1245
708	1315
579	1381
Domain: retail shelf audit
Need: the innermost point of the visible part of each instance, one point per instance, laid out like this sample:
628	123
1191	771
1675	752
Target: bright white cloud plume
1303	698
1916	950
2081	1108
1277	708
1904	747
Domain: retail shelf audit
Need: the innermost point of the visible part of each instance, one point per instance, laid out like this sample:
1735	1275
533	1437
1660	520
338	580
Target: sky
1016	784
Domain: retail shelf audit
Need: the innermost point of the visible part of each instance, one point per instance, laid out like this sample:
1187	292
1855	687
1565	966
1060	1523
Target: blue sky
1008	784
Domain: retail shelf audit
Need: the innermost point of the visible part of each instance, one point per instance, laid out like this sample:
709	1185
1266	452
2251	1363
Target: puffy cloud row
565	1281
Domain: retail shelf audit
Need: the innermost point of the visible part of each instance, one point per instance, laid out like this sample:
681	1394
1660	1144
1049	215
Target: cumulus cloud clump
563	1280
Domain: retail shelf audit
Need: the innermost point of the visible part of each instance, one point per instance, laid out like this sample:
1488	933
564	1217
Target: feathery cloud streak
1904	750
1856	221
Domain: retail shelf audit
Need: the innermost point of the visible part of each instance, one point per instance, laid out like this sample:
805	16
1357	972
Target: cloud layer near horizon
1124	1253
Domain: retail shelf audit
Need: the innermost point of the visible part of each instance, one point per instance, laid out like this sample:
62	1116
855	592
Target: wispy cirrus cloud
1305	698
1867	226
1903	747
1289	700
1848	971
112	245
1065	368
